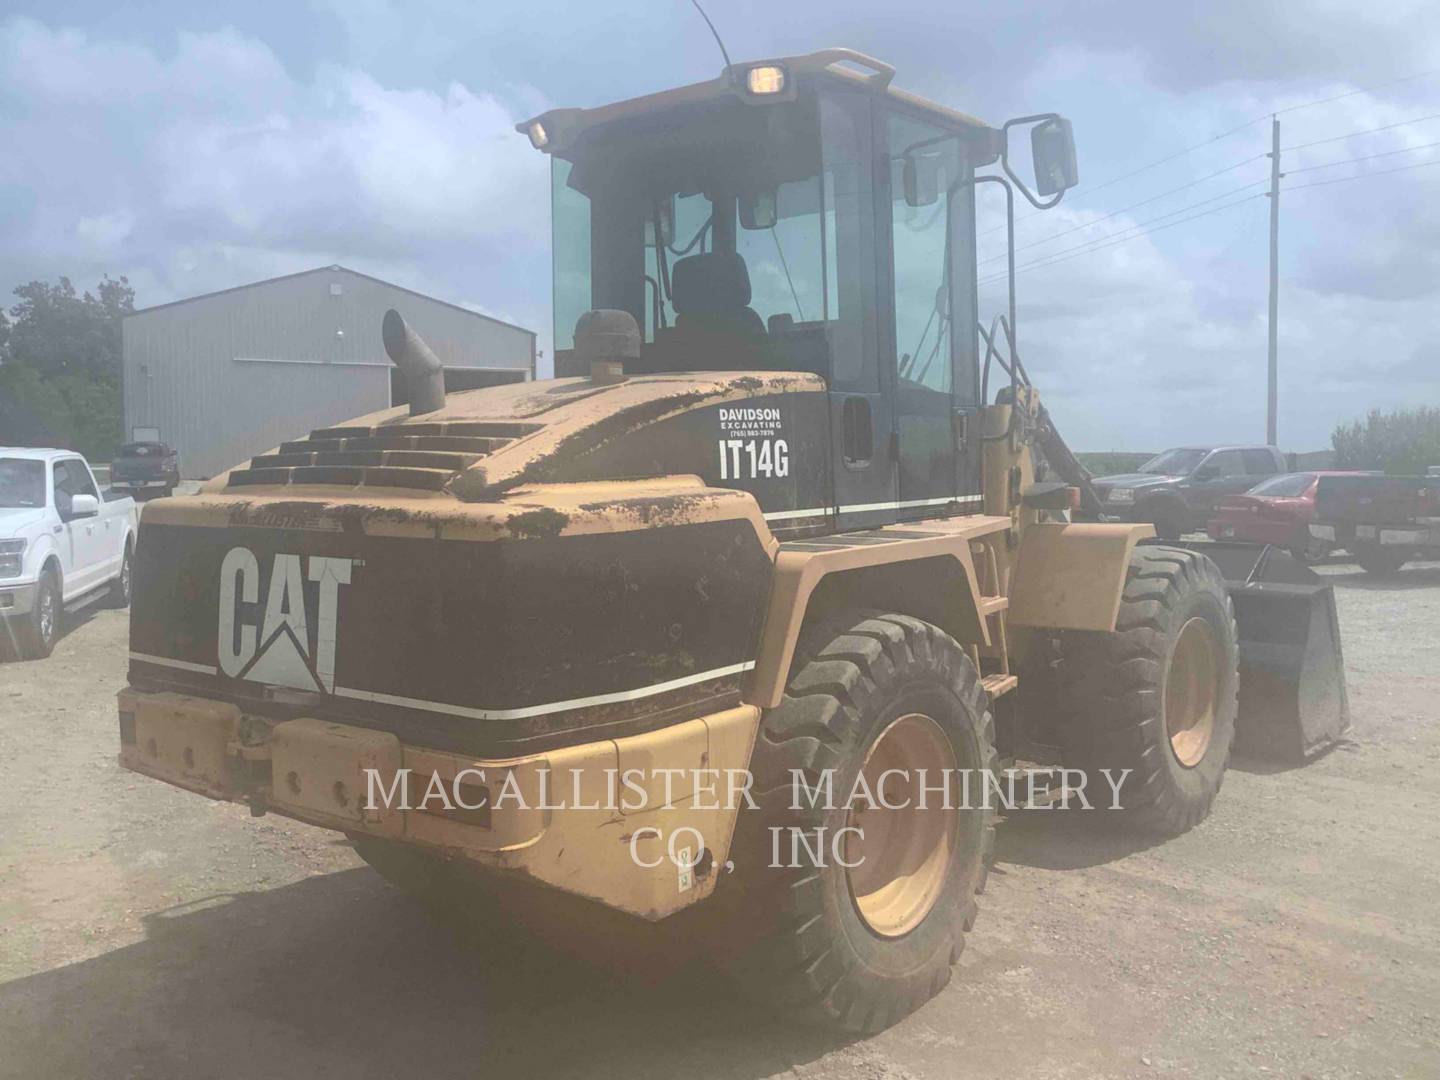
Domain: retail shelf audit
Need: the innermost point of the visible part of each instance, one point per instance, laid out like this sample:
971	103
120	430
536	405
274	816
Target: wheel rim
125	578
900	864
47	614
1191	692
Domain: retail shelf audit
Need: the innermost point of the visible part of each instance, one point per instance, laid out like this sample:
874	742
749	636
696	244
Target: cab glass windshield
22	483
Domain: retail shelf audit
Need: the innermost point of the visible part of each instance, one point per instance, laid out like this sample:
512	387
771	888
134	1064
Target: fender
928	566
1071	576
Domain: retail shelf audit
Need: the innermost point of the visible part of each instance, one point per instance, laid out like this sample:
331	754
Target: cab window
1259	462
1226	463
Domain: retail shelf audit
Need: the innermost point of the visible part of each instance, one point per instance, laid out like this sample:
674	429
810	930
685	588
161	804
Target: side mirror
920	177
1052	149
82	506
760	210
1207	472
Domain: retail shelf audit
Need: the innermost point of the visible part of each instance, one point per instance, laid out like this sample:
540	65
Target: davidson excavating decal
749	448
277	651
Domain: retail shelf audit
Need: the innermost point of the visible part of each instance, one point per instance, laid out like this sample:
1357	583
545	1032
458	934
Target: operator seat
711	294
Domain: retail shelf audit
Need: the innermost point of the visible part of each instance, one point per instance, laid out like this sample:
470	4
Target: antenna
713	31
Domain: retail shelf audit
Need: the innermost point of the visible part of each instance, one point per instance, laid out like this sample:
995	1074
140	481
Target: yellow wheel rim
1192	685
899	865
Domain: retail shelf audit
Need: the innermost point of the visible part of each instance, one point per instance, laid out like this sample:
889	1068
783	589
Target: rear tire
860	948
1157	696
1379	560
120	587
37	633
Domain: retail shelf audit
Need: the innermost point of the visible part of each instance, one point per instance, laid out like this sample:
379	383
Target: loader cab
795	215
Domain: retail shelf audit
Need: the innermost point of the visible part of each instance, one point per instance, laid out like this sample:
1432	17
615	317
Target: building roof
333	268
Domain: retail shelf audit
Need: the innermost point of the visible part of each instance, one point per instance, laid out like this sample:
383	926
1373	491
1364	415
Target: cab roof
559	128
33	453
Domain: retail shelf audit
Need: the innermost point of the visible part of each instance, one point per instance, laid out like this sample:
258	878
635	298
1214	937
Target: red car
1275	511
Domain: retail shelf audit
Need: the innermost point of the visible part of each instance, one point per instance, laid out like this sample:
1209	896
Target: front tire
1169	521
38	632
1157	696
859	948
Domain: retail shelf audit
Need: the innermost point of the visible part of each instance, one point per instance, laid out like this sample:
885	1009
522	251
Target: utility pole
1272	398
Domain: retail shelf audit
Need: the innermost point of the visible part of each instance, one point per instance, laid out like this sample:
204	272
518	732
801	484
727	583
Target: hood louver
421	456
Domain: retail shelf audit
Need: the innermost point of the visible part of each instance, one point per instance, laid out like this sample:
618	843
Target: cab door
1221	474
84	537
864	474
930	349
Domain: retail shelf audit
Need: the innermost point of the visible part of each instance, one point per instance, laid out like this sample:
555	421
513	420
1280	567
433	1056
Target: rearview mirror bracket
1053	129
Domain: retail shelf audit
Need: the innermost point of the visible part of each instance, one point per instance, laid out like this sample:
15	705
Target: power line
1090	249
1247	124
1367	157
1132	206
1086	249
1365	131
1101	241
1352	93
1362	176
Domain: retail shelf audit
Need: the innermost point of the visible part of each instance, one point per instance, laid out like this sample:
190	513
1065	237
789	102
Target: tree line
61	368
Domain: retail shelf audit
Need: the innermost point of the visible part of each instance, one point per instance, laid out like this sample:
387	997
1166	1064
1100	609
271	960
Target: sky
195	147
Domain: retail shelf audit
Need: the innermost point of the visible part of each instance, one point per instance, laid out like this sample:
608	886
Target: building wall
227	376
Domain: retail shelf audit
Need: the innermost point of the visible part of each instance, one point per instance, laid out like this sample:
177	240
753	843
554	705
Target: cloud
379	135
208	164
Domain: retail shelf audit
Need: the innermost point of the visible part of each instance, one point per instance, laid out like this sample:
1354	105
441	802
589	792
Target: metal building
224	376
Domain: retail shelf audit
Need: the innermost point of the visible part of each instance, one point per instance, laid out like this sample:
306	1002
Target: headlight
539	137
1122	495
12	553
765	80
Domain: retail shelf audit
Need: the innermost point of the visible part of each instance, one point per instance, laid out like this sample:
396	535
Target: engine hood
14	521
762	431
1136	480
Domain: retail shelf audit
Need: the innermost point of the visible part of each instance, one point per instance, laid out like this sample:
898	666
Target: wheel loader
791	514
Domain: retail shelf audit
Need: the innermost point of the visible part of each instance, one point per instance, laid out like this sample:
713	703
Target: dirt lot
149	933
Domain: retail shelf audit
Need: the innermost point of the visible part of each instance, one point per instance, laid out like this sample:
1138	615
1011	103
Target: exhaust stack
424	374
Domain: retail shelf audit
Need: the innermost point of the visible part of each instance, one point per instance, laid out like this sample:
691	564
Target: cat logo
278	651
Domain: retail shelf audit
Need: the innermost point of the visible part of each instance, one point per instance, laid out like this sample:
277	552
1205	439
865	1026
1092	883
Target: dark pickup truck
145	468
1385	520
1177	491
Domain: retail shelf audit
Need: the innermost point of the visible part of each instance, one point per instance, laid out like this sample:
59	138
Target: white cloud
210	164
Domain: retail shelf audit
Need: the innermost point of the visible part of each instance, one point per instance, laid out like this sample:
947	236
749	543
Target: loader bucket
1292	672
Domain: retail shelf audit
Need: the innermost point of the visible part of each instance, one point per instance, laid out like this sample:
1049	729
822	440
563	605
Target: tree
1404	442
60	365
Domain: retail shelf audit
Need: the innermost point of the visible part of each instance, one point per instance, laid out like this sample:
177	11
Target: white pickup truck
62	545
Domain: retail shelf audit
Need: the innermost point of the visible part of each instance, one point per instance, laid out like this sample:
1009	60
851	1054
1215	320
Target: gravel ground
146	932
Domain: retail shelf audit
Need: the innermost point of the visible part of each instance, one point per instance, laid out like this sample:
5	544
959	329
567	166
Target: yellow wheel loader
740	622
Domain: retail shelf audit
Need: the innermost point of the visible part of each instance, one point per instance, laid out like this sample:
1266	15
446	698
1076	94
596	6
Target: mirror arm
1009	246
1005	158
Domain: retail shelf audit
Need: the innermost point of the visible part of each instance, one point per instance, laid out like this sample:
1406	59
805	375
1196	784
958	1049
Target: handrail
883	72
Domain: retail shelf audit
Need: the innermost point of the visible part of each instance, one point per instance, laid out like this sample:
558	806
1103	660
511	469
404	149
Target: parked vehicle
1179	490
62	545
145	468
1275	511
1385	520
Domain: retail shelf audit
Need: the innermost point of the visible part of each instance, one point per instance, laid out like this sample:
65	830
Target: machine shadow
1062	839
10	649
341	975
